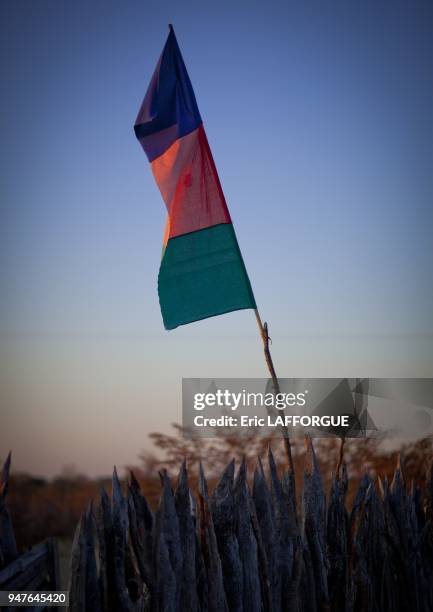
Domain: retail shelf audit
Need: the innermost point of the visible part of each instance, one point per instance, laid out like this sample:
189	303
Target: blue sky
319	119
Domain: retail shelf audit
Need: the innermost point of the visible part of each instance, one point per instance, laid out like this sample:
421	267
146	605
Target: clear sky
319	116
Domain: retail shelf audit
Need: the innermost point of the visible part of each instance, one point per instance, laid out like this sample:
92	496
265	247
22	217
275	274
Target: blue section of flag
169	109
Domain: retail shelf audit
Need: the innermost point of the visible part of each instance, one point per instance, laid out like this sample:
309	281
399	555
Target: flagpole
263	328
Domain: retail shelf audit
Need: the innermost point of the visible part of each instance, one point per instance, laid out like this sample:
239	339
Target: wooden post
263	328
8	547
55	582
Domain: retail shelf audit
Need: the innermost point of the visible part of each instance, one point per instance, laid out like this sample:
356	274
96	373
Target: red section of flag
188	181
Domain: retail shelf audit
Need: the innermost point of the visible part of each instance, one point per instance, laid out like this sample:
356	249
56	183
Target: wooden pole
263	328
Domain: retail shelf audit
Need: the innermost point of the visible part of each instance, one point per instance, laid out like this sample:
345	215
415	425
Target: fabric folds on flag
202	272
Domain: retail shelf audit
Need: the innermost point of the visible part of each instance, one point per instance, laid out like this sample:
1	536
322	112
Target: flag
202	273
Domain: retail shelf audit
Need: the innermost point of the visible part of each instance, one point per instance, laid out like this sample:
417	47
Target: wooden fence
252	549
36	569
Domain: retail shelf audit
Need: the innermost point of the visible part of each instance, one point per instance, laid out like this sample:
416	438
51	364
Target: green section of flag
202	275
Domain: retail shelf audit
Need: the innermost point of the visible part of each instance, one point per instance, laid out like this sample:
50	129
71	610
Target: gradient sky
319	116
